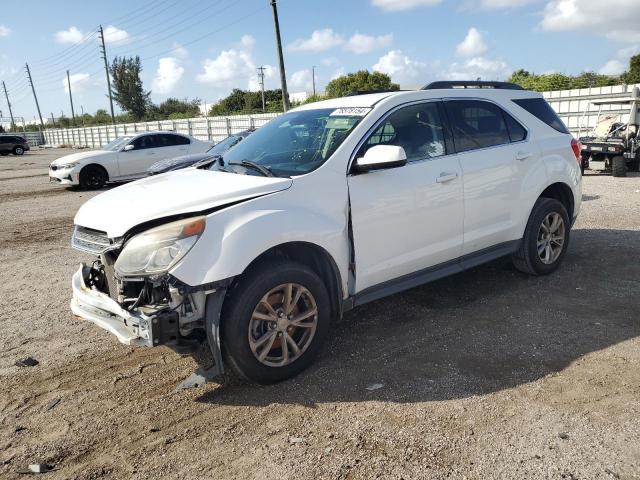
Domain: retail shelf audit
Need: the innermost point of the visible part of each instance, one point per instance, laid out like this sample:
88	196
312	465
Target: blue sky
195	48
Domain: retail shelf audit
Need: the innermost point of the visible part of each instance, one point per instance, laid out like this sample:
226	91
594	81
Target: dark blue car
185	161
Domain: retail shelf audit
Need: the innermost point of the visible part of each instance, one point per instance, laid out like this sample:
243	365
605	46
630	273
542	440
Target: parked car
13	144
185	161
327	207
125	158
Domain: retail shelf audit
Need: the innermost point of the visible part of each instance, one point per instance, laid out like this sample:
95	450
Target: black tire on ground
634	166
619	166
526	258
18	151
238	309
93	177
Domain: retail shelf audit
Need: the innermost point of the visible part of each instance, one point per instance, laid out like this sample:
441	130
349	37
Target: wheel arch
101	167
562	192
316	258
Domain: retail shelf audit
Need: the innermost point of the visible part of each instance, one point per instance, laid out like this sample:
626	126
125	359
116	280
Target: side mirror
379	157
128	148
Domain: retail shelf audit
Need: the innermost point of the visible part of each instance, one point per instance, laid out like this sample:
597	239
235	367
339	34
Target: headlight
65	166
157	250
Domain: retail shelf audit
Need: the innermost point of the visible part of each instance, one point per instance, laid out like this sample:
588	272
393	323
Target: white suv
125	158
329	206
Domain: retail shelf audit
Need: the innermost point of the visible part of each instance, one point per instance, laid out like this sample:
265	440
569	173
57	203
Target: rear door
409	218
494	153
134	163
5	144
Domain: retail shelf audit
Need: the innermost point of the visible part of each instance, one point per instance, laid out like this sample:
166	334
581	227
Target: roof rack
367	92
471	84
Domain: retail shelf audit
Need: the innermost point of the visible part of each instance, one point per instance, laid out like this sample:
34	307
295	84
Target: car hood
184	191
172	163
75	157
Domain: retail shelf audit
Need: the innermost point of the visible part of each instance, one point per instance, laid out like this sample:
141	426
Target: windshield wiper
254	166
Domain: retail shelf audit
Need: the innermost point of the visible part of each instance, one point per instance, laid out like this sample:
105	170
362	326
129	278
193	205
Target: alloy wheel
283	325
551	238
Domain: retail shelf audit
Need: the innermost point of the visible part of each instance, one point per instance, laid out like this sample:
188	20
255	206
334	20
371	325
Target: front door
134	163
408	218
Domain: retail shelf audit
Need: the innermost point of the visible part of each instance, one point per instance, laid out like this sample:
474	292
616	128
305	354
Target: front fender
236	236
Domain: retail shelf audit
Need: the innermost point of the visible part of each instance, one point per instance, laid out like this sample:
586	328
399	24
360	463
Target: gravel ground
486	374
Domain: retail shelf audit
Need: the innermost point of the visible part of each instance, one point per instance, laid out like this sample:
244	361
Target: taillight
576	146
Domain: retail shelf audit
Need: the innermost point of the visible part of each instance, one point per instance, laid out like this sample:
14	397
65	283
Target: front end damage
145	311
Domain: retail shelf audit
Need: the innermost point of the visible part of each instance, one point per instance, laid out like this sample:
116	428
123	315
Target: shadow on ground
484	330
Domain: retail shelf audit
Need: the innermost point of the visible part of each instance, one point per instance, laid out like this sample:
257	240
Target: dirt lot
488	374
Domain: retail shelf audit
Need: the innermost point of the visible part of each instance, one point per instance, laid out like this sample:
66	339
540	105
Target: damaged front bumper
141	327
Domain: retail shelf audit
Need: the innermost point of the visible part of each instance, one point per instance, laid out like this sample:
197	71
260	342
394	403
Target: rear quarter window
539	108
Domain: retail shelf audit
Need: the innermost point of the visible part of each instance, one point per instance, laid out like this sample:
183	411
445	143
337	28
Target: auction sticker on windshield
352	111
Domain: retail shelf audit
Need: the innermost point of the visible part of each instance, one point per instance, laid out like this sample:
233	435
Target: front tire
18	151
274	321
545	239
93	177
619	166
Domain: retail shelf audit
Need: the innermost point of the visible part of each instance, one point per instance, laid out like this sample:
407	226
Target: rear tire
634	166
544	243
93	177
18	151
619	166
249	326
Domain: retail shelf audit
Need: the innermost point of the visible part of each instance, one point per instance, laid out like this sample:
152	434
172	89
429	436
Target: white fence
575	109
573	106
204	128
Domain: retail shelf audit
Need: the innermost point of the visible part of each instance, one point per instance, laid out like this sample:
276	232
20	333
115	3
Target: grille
89	240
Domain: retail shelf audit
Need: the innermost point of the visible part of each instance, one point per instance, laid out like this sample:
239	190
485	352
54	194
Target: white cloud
78	82
401	68
168	75
616	19
360	43
473	44
72	35
329	61
247	41
4	31
236	66
399	5
620	61
498	4
179	51
115	35
301	81
479	67
319	41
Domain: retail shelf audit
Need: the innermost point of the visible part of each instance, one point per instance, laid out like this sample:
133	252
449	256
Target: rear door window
517	132
145	141
539	108
477	124
169	140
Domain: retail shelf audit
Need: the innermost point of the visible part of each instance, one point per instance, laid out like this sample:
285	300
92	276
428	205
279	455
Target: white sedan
125	158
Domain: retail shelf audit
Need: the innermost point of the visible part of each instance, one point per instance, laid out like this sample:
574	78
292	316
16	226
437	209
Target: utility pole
6	95
106	69
53	120
313	79
283	75
73	114
34	94
82	110
261	76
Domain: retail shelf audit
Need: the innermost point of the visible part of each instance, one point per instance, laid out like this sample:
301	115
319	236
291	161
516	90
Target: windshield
297	142
224	145
117	144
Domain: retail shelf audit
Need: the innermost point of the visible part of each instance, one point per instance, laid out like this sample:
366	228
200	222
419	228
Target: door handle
446	177
523	155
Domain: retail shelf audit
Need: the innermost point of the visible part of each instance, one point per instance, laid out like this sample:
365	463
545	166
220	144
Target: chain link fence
213	129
